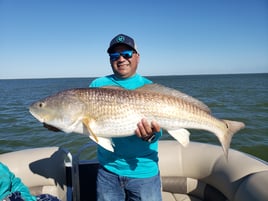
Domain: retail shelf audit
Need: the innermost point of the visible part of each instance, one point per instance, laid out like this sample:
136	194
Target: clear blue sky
64	38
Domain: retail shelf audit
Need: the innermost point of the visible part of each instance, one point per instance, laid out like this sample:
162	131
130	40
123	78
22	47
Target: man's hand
146	130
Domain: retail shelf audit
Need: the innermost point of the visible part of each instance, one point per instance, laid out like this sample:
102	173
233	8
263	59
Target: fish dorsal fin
181	135
158	88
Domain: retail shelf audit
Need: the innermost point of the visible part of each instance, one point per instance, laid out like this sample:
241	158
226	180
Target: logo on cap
120	39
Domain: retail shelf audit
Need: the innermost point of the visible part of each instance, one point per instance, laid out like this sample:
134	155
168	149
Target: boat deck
195	173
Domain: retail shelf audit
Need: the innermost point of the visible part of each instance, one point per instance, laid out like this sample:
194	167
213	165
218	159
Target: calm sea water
235	97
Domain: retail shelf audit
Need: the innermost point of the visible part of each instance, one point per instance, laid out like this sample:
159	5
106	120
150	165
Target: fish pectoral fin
86	123
181	135
106	143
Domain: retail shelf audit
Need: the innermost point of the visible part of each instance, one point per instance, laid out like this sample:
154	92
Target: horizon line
166	75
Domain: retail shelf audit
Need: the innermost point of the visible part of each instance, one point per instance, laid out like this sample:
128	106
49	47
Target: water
235	97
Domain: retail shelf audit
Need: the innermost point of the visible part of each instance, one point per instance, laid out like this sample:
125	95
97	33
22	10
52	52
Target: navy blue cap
122	39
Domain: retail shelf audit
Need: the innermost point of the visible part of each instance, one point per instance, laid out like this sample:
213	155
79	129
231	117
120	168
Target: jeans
111	187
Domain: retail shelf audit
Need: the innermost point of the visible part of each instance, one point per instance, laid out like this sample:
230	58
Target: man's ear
138	59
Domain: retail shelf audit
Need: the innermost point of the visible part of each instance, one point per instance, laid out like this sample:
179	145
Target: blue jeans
111	187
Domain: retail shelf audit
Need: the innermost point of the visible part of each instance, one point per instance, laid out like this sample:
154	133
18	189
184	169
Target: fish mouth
38	117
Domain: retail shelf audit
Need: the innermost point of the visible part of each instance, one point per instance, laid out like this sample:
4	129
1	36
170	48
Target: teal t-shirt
132	157
9	183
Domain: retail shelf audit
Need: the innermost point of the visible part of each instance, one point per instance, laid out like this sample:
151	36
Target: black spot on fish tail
232	128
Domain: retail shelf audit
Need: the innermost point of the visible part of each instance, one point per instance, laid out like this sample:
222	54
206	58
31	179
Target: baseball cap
122	39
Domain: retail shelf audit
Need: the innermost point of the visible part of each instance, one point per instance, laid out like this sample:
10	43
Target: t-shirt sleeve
9	183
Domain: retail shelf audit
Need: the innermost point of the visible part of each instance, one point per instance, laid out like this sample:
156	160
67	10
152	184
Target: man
131	171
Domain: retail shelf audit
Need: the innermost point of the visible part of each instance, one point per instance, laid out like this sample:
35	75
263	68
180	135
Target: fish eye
41	105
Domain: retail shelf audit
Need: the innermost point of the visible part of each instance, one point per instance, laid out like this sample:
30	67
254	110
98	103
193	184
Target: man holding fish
132	169
123	113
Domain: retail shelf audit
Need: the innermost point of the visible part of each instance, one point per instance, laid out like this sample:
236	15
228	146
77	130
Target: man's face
124	67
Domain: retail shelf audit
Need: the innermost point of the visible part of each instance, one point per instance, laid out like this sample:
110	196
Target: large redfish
103	113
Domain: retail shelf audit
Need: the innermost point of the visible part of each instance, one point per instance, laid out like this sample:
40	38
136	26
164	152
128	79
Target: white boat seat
201	172
41	169
196	173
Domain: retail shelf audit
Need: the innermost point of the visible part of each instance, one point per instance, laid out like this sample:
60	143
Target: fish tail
232	128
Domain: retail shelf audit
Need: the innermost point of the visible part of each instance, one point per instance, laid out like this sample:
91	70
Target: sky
69	38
